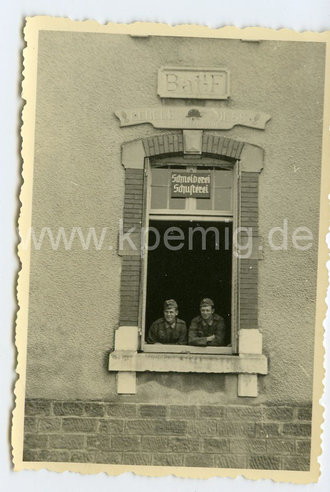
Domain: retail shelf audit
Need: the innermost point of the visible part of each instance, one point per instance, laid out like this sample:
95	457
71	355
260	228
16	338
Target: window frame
247	361
181	214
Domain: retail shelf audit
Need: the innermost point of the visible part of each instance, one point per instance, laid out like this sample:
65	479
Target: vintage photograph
172	241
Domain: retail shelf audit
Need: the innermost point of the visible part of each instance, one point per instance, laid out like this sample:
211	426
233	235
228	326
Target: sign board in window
190	184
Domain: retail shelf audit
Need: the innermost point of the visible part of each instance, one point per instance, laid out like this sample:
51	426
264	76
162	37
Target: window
189	255
140	159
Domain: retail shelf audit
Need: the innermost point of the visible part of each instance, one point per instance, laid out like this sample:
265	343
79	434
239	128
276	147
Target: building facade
166	132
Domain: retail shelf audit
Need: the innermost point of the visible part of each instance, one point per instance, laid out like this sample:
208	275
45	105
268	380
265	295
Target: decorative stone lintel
192	118
133	152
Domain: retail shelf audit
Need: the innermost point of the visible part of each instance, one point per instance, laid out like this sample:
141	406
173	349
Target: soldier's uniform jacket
200	329
162	332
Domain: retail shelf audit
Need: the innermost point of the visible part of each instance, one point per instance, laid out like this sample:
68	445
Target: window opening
198	263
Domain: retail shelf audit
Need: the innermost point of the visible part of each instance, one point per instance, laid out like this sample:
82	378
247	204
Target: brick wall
131	264
170	143
214	144
259	437
248	268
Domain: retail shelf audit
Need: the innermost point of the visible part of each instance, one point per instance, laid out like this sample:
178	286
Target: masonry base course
233	436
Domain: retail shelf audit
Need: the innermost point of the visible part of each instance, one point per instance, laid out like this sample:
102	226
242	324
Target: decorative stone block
126	383
252	159
250	341
133	154
126	338
247	385
192	141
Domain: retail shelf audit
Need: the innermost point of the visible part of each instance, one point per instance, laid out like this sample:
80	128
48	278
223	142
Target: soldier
169	329
208	328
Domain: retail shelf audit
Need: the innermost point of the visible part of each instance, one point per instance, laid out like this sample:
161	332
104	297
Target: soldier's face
206	312
170	314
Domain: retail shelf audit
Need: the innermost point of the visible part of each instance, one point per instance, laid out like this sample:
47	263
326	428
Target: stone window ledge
132	361
126	361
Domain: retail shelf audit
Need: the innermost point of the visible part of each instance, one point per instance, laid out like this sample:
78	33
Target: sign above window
193	83
191	184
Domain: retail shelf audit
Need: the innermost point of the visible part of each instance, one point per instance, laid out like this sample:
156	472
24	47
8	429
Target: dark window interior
190	274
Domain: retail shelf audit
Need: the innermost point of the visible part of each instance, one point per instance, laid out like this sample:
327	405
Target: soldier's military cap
206	302
170	304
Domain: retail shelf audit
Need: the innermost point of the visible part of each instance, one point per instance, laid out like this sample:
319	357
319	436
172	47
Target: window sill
186	349
131	361
126	361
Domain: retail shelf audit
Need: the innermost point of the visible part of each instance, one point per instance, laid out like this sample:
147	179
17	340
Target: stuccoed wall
78	181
